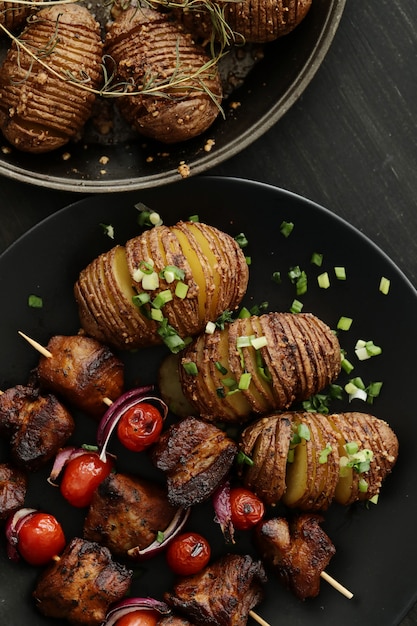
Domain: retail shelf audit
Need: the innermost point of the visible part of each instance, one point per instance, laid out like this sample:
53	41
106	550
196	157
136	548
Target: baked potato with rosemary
253	21
13	15
45	102
180	278
175	85
308	460
258	364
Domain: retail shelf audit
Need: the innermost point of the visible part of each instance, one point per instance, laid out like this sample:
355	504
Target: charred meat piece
127	512
82	584
82	370
222	594
13	485
37	425
196	456
298	551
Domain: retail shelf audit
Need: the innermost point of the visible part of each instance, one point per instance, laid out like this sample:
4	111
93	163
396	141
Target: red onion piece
62	458
124	607
175	526
13	525
115	411
223	510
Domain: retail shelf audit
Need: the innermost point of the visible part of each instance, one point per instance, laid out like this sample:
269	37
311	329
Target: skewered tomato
139	618
139	426
188	553
246	508
40	538
82	475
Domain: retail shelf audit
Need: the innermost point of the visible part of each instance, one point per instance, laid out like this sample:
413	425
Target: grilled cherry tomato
40	539
143	617
188	553
246	508
82	475
139	426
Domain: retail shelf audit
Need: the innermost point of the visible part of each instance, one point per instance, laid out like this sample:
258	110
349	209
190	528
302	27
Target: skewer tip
35	344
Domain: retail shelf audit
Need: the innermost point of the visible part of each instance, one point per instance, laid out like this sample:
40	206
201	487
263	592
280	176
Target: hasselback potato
213	276
151	50
258	364
42	102
308	460
256	21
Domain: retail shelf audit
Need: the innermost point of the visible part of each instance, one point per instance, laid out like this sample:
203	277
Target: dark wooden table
349	143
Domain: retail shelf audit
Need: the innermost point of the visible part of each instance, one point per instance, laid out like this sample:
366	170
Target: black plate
376	547
269	90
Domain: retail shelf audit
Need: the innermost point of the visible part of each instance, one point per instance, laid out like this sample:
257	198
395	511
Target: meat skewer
81	369
298	551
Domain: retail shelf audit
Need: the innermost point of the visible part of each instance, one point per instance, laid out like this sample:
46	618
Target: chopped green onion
223	319
259	342
210	328
194	218
141	298
150	282
241	240
258	308
244	313
162	298
244	381
303	431
181	290
286	228
276	277
220	392
340	273
351	447
157	315
108	230
344	323
346	365
35	302
220	367
317	259
248	260
160	536
373	390
323	280
230	383
296	306
190	368
243	341
384	285
363	485
242	458
171	273
324	454
366	349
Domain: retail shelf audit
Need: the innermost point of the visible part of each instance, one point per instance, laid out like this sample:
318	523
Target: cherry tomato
139	427
188	553
40	539
142	617
82	475
247	508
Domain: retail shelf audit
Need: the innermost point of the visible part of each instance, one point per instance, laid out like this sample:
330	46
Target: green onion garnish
190	368
316	259
384	285
286	228
340	273
344	323
296	306
323	280
241	240
35	302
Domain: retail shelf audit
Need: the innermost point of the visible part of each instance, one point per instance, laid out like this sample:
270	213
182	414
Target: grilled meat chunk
298	551
127	512
82	584
341	457
36	424
222	594
82	370
13	485
288	358
196	456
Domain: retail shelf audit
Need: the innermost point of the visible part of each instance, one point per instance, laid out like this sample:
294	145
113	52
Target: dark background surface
349	143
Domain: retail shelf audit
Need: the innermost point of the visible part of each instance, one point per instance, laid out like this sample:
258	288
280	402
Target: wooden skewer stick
45	352
39	347
258	619
334	583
